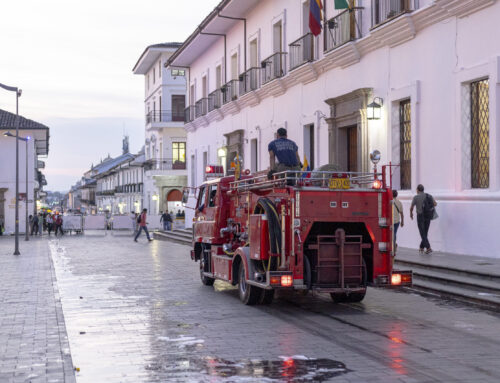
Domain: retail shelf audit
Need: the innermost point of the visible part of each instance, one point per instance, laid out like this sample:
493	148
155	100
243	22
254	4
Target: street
137	312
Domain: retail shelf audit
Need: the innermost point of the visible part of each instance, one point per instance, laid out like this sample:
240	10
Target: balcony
201	107
214	100
189	114
164	164
273	67
341	29
164	116
230	91
249	80
386	10
105	192
301	51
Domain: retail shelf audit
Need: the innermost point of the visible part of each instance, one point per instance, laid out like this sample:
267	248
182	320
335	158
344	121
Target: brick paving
33	341
137	312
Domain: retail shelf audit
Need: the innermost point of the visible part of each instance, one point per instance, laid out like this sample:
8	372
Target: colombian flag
306	168
315	16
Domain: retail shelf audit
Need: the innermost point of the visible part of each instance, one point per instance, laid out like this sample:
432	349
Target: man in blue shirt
285	151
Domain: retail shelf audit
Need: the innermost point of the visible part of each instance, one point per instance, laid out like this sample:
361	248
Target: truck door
206	210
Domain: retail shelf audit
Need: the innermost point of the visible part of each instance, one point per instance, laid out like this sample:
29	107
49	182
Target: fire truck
320	231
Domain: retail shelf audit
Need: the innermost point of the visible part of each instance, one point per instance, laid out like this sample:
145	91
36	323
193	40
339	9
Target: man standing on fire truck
286	151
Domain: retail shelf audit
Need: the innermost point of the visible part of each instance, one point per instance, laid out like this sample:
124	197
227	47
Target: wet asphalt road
137	312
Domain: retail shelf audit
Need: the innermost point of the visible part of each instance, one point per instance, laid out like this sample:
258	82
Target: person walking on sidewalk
143	225
34	224
425	204
398	218
58	224
50	223
40	224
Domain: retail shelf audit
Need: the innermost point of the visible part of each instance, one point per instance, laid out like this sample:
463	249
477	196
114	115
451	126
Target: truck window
212	201
200	205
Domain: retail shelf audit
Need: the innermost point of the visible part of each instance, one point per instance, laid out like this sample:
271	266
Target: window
154	75
178	152
480	134
178	106
201	198
205	163
254	54
253	155
178	72
212	200
193	171
159	69
309	145
218	76
234	67
405	144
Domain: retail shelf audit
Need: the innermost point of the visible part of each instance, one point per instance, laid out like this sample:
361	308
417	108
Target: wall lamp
374	110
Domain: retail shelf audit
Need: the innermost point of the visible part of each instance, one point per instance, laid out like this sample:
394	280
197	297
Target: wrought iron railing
230	91
189	114
344	27
201	107
249	80
164	116
164	164
385	10
301	51
214	100
273	67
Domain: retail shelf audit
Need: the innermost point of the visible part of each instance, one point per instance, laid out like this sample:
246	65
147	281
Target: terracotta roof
8	121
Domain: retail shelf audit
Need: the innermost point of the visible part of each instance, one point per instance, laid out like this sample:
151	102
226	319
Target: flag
306	169
341	4
315	16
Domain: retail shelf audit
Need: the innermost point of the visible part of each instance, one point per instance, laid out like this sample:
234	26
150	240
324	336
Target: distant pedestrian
398	218
166	218
1	226
425	204
50	223
58	225
34	225
40	224
143	225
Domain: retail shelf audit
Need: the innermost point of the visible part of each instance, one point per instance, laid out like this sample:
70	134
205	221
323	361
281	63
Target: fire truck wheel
207	281
266	297
249	295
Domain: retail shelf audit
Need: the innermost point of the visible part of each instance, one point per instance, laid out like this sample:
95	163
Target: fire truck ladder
339	260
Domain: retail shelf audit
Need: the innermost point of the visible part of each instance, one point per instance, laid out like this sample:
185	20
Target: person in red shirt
142	225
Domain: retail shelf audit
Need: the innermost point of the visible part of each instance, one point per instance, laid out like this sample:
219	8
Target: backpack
139	218
428	207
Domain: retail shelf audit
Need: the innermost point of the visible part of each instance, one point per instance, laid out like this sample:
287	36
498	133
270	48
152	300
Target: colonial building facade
165	138
253	66
31	151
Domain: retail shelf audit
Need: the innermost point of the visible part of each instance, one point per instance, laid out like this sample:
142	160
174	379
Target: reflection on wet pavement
296	369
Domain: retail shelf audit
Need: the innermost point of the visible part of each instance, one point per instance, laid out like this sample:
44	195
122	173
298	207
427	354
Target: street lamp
18	94
25	139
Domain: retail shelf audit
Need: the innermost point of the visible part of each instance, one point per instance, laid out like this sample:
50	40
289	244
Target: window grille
480	134
405	144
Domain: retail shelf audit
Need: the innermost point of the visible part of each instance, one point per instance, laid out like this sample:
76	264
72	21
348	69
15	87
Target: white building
433	66
165	137
36	147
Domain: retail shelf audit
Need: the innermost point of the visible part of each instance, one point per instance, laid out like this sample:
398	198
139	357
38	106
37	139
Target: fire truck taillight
396	279
275	280
286	280
377	184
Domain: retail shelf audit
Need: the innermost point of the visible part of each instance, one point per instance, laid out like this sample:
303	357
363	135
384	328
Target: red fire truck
322	231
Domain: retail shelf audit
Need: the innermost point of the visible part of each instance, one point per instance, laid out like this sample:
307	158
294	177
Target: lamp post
25	139
374	110
18	94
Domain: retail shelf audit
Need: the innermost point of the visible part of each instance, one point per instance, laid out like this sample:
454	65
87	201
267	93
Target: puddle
296	369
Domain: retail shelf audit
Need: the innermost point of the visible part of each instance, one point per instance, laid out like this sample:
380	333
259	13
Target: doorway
352	148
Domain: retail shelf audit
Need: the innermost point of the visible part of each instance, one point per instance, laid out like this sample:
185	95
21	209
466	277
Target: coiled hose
265	205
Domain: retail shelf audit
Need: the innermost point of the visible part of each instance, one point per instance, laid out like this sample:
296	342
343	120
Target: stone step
459	293
463	281
169	236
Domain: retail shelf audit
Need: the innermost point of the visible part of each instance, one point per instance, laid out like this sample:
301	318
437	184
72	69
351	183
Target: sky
73	60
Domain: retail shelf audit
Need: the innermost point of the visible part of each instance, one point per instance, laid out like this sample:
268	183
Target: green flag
341	4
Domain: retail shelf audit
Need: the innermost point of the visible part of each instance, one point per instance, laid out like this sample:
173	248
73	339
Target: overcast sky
73	59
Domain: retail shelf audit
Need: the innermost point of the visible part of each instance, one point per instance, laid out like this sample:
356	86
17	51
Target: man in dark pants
285	151
423	222
143	226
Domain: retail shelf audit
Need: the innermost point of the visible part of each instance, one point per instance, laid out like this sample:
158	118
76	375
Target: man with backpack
141	221
426	210
166	218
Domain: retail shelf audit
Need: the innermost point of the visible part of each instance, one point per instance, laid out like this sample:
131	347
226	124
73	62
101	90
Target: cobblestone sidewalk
33	341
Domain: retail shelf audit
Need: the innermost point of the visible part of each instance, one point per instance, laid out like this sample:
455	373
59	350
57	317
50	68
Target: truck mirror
185	195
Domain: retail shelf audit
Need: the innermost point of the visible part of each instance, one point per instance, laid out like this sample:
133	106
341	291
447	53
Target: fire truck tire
249	295
266	297
207	281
